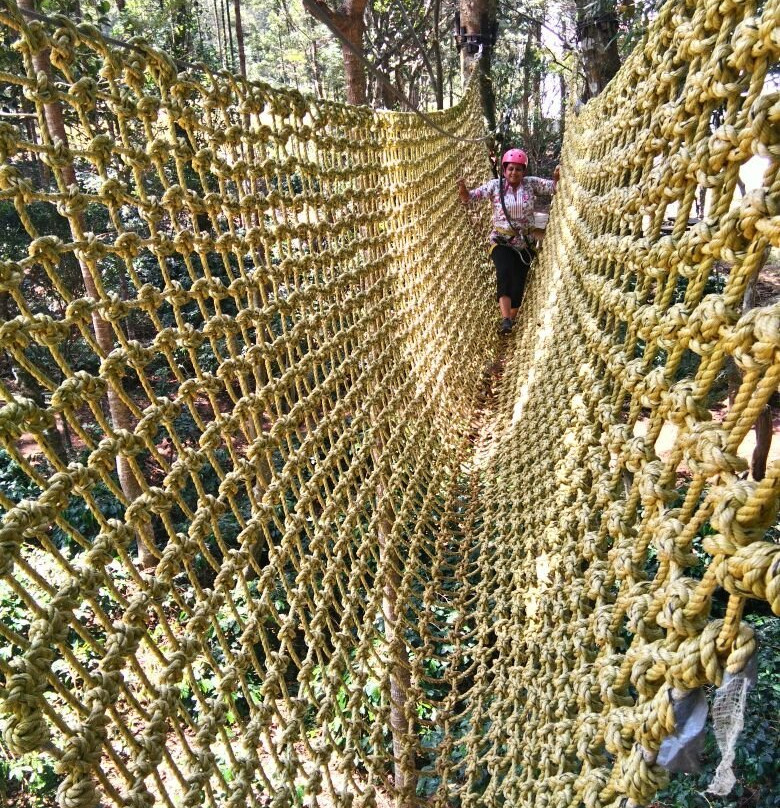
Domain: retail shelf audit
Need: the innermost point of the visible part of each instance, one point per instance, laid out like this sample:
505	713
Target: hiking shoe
506	325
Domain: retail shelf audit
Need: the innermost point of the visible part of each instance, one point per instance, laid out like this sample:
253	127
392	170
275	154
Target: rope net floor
270	536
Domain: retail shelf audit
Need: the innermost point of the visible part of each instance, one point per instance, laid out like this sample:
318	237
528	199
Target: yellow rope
304	548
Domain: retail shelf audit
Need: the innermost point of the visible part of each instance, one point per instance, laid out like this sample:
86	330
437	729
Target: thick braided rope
298	397
292	317
590	577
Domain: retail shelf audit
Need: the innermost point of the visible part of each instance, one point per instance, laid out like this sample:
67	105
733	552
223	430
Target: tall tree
239	37
477	36
436	54
597	41
228	27
348	20
403	37
219	31
182	29
314	62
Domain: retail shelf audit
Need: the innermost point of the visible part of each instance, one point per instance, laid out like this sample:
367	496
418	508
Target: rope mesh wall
267	539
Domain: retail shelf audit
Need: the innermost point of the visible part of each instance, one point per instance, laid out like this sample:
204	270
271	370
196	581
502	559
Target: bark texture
479	26
348	20
597	32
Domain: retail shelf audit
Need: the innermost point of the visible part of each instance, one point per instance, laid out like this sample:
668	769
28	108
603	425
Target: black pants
511	272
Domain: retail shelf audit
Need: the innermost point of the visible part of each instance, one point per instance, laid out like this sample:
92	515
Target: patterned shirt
520	204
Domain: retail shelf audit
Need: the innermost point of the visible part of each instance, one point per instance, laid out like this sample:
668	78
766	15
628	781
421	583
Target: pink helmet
514	156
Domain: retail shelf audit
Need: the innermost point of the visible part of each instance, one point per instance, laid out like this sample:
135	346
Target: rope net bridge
272	532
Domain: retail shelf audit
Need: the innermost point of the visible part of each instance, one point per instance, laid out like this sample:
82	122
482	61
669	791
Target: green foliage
80	516
16	486
29	780
14	483
370	708
526	76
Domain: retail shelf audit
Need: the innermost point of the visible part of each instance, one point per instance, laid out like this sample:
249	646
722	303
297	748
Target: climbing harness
526	250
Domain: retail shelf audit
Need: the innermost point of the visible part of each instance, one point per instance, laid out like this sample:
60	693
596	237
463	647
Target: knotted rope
268	535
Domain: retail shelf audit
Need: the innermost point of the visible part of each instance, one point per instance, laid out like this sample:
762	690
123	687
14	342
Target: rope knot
21	415
129	246
681	404
46	250
9	142
708	454
36	38
708	323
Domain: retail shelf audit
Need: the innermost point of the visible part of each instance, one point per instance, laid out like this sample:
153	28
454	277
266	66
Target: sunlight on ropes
275	530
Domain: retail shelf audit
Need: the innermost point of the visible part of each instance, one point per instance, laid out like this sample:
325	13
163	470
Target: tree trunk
120	415
381	93
282	67
536	88
293	66
352	26
349	22
239	37
525	101
479	27
438	88
562	80
229	28
181	38
220	33
763	427
486	90
597	30
319	88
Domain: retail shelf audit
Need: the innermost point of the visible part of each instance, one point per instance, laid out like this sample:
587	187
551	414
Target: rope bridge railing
266	540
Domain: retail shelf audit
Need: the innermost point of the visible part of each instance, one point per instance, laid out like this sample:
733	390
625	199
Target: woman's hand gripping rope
463	191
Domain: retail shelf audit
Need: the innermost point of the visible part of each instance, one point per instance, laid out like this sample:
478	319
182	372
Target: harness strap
527	251
503	205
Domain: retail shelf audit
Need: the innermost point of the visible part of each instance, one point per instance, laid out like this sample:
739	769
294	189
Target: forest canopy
536	55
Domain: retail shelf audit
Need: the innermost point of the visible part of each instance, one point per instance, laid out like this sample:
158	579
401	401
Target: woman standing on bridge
511	247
